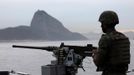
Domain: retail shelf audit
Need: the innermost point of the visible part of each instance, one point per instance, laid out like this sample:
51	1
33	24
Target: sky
76	15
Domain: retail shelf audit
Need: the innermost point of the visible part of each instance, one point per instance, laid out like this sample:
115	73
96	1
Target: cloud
70	12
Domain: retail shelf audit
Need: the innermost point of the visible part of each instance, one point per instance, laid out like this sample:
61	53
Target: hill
96	36
43	27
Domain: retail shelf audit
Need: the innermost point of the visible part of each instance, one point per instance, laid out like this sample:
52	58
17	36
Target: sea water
30	61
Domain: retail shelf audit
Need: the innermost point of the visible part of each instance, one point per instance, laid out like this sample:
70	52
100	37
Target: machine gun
68	58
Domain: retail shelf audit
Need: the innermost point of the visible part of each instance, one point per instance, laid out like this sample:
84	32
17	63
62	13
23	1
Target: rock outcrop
43	27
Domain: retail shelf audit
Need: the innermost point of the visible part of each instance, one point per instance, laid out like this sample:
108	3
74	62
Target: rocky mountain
96	36
43	27
130	34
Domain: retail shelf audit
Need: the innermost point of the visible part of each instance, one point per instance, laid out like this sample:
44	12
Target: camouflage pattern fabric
113	54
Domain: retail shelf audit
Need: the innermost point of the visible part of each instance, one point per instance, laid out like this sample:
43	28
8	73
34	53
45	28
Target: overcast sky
76	15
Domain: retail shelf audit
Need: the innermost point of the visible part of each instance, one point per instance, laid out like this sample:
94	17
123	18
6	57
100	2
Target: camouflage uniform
113	54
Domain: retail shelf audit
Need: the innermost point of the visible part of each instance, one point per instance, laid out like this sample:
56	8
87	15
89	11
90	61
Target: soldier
113	54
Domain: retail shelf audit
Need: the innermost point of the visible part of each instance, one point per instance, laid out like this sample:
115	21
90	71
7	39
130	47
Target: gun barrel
34	47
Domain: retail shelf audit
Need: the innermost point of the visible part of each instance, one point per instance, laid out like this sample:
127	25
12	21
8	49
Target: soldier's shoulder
117	35
104	41
105	37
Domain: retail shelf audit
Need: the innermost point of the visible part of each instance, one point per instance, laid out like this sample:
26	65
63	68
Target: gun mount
68	57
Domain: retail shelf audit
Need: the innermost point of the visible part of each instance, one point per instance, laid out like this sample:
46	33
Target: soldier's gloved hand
95	57
95	51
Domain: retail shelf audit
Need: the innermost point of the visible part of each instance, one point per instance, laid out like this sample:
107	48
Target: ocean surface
30	61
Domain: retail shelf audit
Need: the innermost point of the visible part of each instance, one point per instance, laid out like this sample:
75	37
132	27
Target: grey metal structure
53	70
68	58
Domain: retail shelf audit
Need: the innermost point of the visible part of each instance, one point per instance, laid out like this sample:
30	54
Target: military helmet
109	17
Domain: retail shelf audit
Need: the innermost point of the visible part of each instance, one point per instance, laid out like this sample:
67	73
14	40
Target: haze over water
30	61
